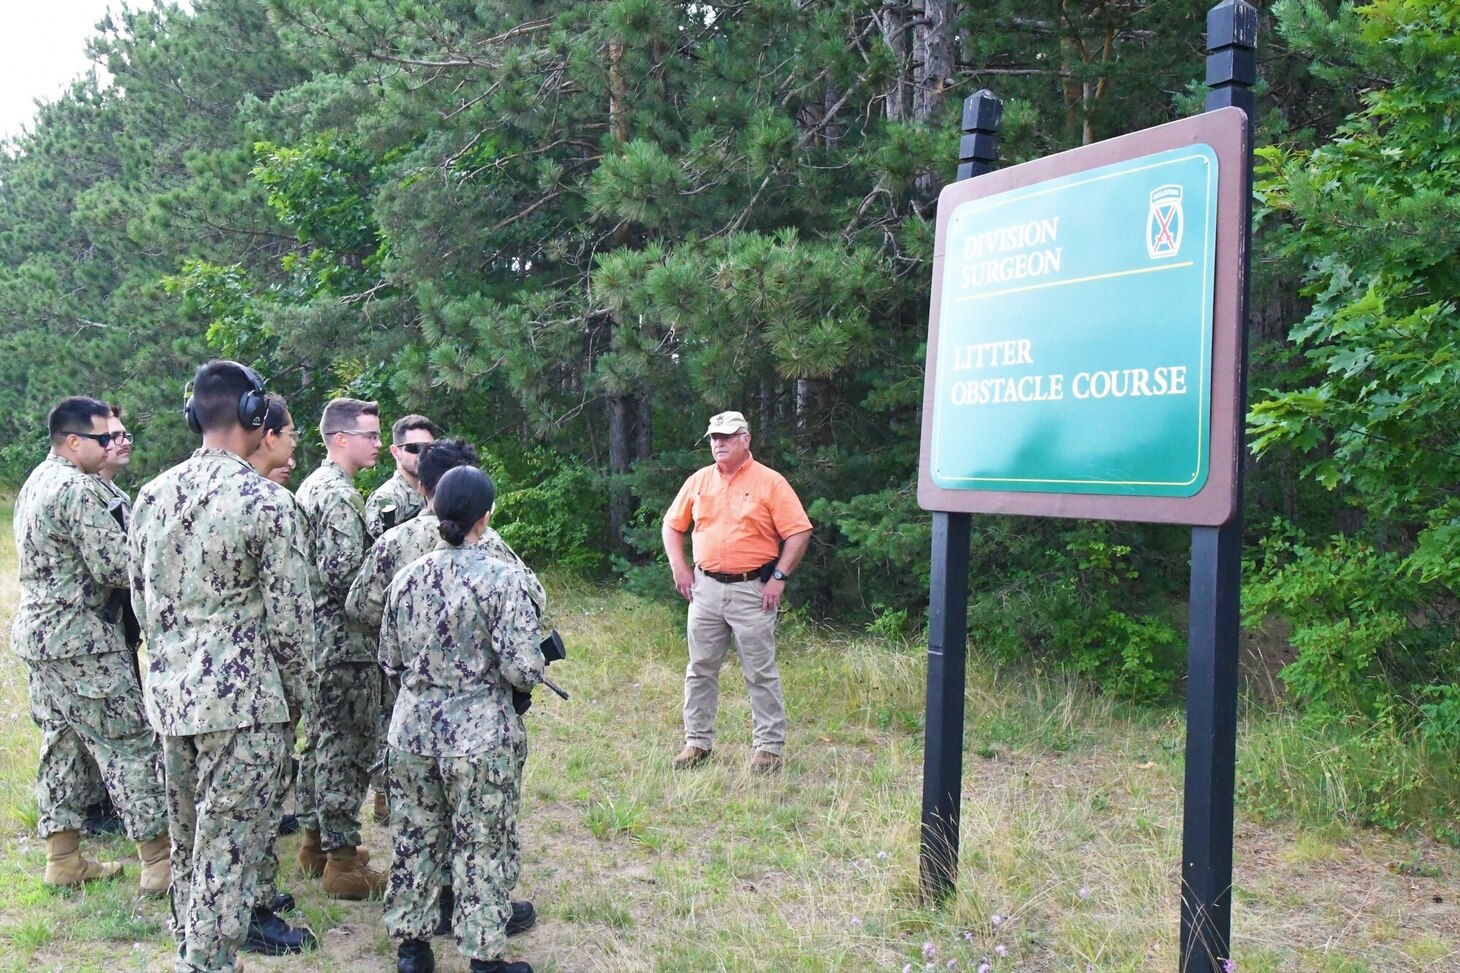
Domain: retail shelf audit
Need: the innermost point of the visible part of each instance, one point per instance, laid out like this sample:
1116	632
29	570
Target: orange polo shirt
739	520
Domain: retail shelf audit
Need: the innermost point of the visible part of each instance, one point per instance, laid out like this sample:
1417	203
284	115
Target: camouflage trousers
221	791
308	755
89	709
268	865
453	821
90	788
346	718
387	709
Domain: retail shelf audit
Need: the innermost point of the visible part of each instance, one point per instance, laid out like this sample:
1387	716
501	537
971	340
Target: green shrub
551	510
1086	608
1367	631
17	459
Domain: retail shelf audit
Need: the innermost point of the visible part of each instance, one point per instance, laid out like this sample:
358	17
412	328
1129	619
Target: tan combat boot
381	809
156	866
346	877
311	857
65	866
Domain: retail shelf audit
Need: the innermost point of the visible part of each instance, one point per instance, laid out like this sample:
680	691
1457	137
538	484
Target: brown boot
691	756
311	857
381	809
765	762
156	867
346	877
65	866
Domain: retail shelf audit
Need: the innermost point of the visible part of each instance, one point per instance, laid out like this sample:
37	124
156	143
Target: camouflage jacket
72	555
339	540
460	633
409	542
220	583
118	503
394	503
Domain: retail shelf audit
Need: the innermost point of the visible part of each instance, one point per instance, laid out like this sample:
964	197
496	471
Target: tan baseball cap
727	424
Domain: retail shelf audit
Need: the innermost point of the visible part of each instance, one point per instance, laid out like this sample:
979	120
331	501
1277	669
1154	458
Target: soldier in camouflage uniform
274	459
220	583
399	547
346	698
397	501
84	693
101	816
460	634
401	498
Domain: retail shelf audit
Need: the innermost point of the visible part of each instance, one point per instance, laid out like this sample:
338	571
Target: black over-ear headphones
253	405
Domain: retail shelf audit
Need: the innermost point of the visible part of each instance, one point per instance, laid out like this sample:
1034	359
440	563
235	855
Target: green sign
1074	351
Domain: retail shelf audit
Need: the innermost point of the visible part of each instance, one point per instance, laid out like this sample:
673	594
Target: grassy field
1070	846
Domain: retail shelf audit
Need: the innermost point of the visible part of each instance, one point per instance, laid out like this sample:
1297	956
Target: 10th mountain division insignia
1164	222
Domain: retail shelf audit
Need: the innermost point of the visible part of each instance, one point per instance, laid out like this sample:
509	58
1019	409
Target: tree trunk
932	43
618	119
644	429
897	97
620	411
932	59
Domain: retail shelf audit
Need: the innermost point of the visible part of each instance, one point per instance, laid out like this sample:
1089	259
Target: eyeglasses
123	438
413	448
370	433
103	439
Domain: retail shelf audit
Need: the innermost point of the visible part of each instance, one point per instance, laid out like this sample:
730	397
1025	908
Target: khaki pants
718	612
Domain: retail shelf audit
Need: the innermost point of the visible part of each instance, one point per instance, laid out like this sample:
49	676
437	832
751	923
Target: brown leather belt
730	578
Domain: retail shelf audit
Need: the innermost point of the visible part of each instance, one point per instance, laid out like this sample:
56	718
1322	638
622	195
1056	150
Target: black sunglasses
413	448
103	439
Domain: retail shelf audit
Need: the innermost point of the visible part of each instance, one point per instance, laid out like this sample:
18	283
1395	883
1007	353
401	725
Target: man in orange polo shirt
750	532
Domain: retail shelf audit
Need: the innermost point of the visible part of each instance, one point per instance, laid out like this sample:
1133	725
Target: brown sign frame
1225	131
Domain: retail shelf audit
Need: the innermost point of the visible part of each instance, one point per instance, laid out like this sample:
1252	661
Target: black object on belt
730	578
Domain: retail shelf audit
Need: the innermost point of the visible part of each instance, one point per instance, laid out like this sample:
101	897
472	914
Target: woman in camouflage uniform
460	634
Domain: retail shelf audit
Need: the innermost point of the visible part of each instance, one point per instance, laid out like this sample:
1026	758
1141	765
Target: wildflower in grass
855	922
1229	966
881	855
907	968
968	936
984	968
996	919
952	964
1001	949
929	951
1084	893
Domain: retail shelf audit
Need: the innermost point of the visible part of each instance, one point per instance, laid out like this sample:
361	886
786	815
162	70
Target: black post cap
982	112
1232	23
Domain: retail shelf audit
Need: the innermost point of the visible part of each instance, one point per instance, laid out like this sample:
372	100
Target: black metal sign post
948	604
1216	579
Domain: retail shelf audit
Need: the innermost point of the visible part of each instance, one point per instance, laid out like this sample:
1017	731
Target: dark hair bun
452	532
463	496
